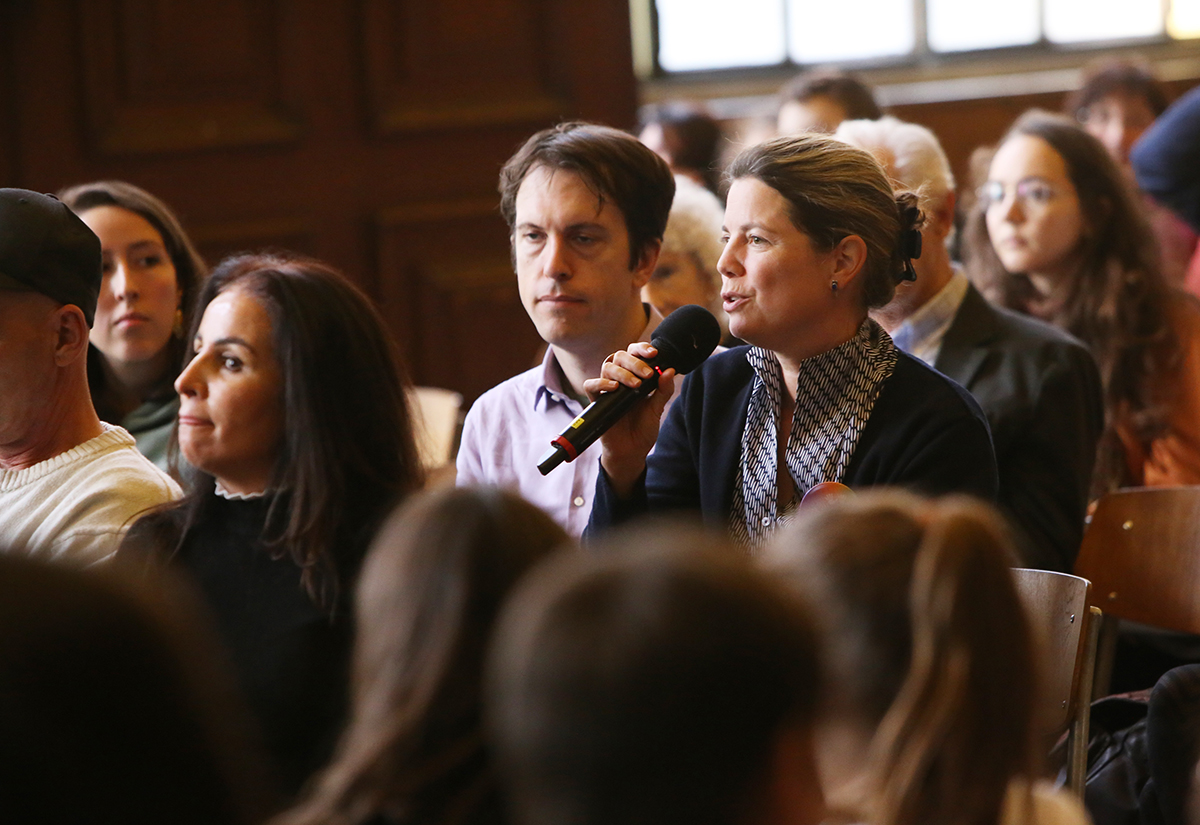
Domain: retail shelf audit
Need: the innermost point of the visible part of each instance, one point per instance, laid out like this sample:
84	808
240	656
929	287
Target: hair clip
910	241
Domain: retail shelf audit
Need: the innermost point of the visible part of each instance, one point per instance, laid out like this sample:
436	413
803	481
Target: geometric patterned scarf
837	391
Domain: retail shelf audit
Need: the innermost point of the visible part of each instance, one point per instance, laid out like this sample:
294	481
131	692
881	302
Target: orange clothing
1174	457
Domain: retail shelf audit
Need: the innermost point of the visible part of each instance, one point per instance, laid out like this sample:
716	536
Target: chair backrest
435	413
1142	555
1057	605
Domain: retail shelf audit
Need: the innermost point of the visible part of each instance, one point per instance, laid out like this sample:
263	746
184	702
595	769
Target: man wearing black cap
69	484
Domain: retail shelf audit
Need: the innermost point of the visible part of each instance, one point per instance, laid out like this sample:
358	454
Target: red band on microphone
568	448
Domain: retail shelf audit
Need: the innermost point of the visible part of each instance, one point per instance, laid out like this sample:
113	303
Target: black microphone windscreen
685	338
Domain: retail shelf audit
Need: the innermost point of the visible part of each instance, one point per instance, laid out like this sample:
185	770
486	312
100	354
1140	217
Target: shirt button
578	501
766	521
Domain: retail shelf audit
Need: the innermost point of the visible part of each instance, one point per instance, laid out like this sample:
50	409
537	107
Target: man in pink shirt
586	206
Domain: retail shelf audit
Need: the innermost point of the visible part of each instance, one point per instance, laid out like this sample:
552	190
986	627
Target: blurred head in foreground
928	654
431	587
670	684
113	710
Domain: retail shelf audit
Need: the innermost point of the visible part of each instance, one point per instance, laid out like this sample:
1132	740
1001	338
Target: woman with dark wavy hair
293	410
1056	233
151	276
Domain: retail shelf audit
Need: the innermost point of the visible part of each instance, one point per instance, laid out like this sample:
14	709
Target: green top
151	425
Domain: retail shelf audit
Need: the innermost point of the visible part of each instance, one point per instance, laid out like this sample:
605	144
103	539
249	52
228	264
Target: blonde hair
694	227
927	643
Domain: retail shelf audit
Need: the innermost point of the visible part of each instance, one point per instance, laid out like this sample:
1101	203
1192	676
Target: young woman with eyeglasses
1057	233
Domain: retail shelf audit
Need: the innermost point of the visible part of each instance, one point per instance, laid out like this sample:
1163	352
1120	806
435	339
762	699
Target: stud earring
833	286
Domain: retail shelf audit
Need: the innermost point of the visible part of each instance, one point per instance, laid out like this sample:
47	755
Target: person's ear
847	260
646	263
940	223
71	328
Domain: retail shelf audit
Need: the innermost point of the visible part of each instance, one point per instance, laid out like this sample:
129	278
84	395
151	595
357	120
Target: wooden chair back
1066	630
1142	555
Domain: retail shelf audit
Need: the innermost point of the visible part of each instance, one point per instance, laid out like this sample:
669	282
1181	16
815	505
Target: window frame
644	20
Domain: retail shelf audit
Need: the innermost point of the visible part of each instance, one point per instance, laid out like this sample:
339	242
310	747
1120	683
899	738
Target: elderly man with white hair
1038	386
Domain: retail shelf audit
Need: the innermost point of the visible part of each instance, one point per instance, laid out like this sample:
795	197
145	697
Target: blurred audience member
1057	234
688	139
586	206
69	484
819	101
928	653
115	711
151	276
687	266
1038	386
293	410
1166	162
431	588
669	684
1118	101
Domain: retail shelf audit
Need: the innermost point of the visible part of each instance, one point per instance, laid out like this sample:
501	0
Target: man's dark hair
847	90
613	164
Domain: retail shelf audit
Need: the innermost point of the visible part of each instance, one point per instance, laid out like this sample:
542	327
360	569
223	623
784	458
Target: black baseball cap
46	248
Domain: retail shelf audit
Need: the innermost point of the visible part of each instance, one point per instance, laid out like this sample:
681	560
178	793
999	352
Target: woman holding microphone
814	237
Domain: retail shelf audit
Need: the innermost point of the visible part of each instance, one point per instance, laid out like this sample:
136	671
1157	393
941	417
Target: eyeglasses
1033	192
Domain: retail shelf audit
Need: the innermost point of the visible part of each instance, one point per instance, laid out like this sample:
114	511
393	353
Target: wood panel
170	76
215	241
456	64
962	126
369	133
8	107
447	283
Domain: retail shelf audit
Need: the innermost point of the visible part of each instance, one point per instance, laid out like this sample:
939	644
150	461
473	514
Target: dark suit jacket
1041	392
924	433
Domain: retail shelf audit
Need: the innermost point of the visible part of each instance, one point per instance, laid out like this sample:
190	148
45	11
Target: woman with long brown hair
293	411
432	585
931	674
152	273
1057	233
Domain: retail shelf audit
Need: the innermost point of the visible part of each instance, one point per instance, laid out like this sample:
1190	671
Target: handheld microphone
684	339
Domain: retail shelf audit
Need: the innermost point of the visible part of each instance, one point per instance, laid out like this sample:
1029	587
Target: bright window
817	29
722	34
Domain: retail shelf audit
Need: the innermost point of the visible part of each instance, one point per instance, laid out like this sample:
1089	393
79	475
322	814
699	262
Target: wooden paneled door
366	132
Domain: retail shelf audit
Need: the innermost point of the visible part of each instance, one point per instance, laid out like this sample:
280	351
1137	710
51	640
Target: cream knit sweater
76	506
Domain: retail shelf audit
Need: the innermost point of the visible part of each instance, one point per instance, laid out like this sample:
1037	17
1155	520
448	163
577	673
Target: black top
925	433
290	656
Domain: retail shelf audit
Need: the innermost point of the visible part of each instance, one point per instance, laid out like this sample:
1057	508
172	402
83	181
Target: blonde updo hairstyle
835	190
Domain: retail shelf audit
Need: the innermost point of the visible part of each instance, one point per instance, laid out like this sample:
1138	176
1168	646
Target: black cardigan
925	433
